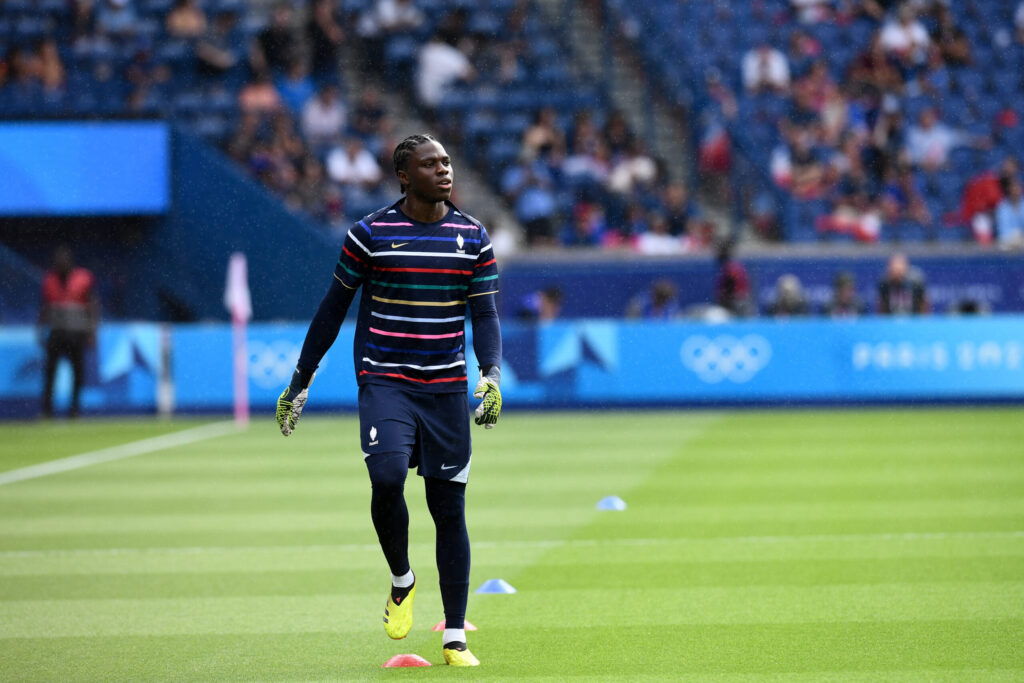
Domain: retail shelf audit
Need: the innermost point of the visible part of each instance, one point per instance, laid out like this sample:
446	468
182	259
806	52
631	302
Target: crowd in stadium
861	119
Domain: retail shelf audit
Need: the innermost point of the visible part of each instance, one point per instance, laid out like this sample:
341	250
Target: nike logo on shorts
396	246
448	467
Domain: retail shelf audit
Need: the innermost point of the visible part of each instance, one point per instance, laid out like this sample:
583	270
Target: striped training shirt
417	279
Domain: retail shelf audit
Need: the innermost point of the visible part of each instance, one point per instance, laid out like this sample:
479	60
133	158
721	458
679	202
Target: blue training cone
496	586
611	503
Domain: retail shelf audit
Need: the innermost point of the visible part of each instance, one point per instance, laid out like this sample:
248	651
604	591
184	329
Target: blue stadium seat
1006	82
911	232
953	233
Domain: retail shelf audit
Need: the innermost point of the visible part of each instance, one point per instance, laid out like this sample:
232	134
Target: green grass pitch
883	544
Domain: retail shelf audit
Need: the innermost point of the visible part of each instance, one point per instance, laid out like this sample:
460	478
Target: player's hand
487	388
291	402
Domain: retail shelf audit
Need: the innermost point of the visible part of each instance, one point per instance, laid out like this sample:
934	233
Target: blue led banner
84	168
585	364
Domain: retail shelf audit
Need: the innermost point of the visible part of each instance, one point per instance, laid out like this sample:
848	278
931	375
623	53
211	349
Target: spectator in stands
529	187
20	82
1010	217
952	42
545	134
658	240
68	317
324	117
353	166
789	299
117	19
905	38
930	141
216	53
50	67
765	69
440	66
311	191
803	120
800	169
873	72
325	37
635	221
803	50
812	11
902	289
661	302
383	20
617	134
587	229
732	284
1018	22
982	195
296	87
683	215
368	114
887	139
185	20
145	75
83	30
510	69
247	133
287	138
854	210
901	197
934	79
876	10
259	95
633	172
276	46
844	302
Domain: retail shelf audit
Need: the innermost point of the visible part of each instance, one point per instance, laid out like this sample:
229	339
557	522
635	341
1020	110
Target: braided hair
404	150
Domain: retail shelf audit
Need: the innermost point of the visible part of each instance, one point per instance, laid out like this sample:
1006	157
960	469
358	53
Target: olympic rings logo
271	365
726	357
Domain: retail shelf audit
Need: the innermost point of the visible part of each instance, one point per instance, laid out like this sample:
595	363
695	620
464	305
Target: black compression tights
446	501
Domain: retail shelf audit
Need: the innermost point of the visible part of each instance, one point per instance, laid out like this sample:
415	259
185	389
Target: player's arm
486	335
487	346
323	329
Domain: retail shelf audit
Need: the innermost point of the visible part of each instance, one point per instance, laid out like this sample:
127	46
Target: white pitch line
127	450
480	545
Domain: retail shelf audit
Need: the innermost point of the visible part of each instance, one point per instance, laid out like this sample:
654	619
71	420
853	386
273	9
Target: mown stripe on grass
350	609
128	450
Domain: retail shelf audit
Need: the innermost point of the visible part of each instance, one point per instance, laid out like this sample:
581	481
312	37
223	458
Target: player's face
429	174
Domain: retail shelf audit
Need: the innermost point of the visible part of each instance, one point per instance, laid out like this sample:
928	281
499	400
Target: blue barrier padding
574	364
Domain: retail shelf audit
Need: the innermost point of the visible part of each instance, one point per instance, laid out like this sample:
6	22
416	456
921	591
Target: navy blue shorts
432	430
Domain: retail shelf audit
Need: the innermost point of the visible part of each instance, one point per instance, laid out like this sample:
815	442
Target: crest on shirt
460	243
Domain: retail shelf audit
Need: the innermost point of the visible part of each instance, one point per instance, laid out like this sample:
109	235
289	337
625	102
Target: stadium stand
875	130
877	123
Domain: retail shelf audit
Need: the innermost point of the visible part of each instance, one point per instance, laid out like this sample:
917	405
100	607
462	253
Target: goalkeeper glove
487	389
292	400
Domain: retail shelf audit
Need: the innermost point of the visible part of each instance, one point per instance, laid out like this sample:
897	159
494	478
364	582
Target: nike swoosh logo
448	467
396	246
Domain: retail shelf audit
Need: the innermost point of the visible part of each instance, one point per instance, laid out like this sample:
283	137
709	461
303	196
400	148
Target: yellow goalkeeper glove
487	388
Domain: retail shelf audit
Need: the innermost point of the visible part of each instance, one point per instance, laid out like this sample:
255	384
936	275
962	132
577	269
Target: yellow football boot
456	657
398	616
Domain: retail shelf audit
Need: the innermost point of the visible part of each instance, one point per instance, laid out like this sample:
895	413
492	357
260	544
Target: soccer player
419	262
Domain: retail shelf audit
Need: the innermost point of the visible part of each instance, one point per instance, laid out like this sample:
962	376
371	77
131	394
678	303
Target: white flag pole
239	302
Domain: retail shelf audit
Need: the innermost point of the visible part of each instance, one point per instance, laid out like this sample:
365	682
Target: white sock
454	635
403	581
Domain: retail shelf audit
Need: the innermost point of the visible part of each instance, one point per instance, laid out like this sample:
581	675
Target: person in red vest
68	318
